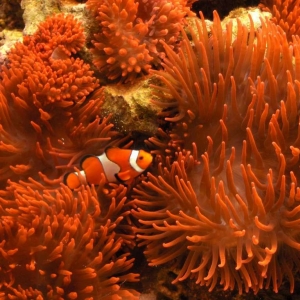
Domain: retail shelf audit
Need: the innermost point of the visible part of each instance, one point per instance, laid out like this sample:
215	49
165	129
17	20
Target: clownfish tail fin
72	180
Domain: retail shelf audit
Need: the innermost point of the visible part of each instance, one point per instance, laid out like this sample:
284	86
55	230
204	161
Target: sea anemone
61	32
285	14
46	88
231	217
57	245
41	78
266	4
217	232
129	33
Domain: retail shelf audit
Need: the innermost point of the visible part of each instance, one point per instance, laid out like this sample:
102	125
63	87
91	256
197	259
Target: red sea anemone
233	216
127	43
46	88
42	76
57	245
285	14
60	31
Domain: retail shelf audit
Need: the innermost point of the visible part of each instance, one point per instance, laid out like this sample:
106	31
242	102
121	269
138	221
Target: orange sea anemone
266	4
41	78
129	33
232	216
285	14
47	88
61	32
57	245
217	232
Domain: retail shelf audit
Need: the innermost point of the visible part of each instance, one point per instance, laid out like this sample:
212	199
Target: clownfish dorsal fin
86	161
115	153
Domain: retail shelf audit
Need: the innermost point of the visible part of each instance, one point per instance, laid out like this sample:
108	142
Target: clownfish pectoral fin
123	176
87	161
72	180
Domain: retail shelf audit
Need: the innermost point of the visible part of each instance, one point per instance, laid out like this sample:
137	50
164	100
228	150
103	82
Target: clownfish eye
141	157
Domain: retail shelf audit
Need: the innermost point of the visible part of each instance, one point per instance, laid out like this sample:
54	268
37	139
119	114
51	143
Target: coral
129	107
56	245
11	15
35	12
232	217
127	43
242	14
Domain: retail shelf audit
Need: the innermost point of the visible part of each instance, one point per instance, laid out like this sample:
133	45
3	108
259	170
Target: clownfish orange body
118	165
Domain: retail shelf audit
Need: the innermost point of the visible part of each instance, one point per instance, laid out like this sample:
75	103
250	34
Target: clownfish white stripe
109	167
82	174
132	160
117	165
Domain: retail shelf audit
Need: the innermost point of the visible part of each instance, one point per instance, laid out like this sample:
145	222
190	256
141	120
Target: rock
131	108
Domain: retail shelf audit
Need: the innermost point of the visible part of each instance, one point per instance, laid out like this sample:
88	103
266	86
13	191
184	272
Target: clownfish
118	165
